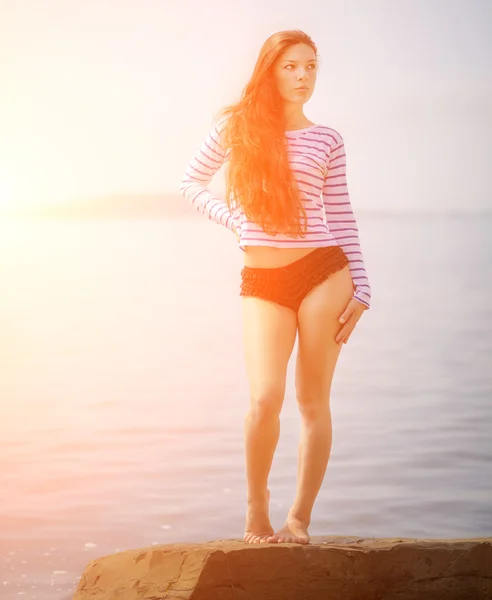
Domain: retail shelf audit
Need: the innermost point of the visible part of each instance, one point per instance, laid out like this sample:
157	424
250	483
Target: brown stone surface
330	568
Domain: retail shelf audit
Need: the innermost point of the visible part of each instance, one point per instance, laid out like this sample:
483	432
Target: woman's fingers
349	318
345	331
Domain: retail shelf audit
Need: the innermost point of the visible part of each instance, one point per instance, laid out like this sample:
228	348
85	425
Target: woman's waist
268	257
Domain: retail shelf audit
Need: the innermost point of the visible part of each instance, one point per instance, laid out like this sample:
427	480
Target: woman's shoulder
219	126
330	132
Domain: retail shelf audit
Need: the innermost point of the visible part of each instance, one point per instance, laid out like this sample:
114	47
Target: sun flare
20	188
14	191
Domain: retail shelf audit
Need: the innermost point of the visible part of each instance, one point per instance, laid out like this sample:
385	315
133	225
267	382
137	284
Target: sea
123	392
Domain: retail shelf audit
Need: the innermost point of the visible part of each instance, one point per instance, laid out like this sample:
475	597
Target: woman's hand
349	317
237	233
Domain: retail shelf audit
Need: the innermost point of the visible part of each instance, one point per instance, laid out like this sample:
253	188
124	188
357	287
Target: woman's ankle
258	498
299	514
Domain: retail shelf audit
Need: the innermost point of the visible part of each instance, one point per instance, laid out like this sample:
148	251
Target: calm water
123	392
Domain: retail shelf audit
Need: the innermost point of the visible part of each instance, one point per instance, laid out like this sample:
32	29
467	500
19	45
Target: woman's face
297	66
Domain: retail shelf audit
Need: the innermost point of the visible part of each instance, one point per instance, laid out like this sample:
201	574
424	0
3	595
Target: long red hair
258	175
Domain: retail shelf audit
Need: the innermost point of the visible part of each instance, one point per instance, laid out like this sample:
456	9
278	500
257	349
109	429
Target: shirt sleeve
341	220
202	167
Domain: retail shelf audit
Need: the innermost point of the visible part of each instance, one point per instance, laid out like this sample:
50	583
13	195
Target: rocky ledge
334	568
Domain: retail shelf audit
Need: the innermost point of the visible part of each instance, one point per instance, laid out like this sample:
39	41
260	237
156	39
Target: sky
104	97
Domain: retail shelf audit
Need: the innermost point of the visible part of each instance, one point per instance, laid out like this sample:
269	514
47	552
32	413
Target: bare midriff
267	257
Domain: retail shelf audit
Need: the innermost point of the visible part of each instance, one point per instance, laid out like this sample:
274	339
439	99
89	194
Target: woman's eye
311	65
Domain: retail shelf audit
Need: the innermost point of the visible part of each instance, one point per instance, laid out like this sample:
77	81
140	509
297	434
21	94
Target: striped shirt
317	158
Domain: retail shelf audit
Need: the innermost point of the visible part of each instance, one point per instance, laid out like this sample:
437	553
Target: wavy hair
258	176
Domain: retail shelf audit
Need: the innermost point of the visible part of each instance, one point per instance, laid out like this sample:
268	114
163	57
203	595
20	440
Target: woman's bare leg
316	360
269	333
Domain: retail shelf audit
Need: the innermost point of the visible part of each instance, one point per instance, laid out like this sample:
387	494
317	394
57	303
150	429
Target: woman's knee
267	402
312	405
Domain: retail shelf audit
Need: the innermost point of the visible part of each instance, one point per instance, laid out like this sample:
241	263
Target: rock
334	568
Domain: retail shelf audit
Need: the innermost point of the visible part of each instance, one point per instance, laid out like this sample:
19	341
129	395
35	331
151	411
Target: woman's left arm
341	220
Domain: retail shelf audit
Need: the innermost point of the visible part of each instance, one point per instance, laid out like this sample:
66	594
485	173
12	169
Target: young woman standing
288	204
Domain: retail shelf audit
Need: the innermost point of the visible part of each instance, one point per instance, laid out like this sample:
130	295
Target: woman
288	204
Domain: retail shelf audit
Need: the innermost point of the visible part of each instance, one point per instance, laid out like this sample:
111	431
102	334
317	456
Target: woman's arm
341	220
204	164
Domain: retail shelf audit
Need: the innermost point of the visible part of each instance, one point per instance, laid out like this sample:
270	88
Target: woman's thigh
318	326
269	333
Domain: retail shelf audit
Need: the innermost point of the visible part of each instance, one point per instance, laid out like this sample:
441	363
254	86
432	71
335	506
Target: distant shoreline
116	206
173	205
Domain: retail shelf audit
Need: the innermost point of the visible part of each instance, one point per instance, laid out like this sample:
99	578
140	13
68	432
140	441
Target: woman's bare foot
258	529
295	531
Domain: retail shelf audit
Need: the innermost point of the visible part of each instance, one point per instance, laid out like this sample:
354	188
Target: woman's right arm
204	164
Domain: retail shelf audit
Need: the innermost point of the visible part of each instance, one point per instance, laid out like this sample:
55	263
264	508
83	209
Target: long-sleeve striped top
317	158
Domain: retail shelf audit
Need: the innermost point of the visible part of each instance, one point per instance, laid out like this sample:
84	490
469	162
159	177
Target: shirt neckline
295	131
